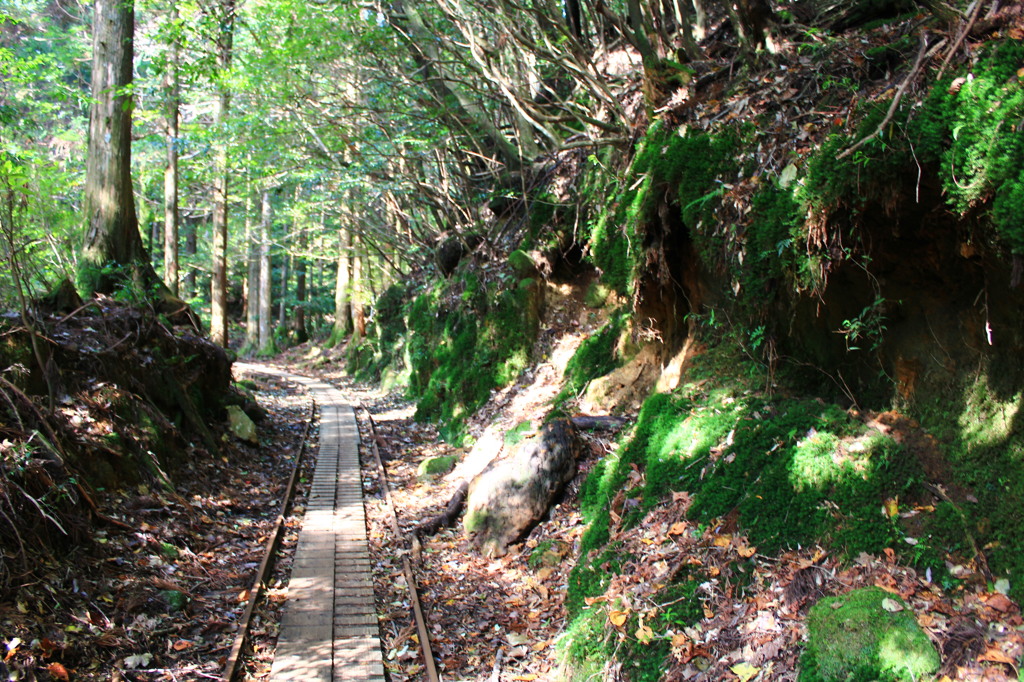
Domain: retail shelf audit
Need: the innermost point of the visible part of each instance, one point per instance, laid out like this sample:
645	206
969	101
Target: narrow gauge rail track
330	630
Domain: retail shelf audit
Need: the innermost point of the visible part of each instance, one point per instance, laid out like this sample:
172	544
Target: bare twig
921	53
965	28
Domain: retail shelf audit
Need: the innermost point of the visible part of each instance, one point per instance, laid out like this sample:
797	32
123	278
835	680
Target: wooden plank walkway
329	631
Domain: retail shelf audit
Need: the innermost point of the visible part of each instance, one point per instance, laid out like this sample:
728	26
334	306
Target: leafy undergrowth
158	593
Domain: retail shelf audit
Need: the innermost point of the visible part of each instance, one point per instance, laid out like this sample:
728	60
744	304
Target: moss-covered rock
433	467
522	263
865	635
240	425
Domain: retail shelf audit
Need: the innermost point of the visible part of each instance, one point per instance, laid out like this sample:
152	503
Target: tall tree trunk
171	95
219	270
301	268
267	345
358	307
282	316
342	293
112	228
191	246
252	288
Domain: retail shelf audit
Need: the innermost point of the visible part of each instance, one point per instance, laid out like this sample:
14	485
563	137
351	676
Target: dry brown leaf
58	671
995	655
999	602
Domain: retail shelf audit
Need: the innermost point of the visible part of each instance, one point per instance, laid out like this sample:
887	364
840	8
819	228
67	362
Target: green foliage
459	352
865	635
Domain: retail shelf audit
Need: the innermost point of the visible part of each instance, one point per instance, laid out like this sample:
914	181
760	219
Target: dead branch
921	53
448	516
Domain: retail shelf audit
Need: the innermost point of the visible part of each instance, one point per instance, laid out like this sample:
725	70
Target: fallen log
586	422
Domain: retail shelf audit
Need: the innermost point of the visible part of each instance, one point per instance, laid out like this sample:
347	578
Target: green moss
587	645
689	168
517	433
796	471
432	467
521	262
594	358
774	248
591	643
835	185
968	128
981	422
460	348
596	295
474	521
865	635
965	132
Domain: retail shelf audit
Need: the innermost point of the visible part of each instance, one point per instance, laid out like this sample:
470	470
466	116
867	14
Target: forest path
329	631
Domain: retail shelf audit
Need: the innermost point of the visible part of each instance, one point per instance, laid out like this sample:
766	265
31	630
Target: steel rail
267	564
410	577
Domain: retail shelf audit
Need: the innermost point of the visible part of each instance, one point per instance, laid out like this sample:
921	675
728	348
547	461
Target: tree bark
172	96
358	308
191	246
112	229
282	312
252	297
219	270
267	345
342	297
301	268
